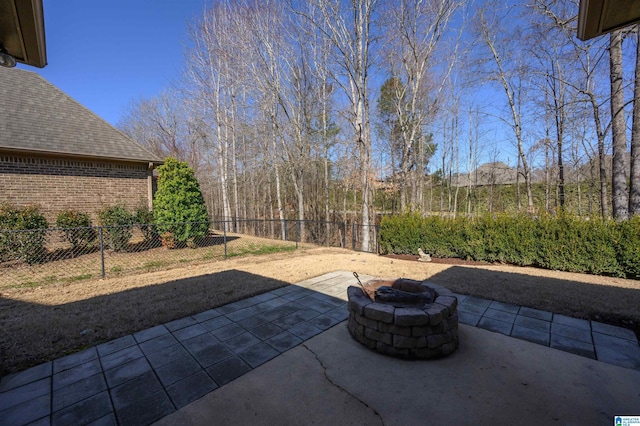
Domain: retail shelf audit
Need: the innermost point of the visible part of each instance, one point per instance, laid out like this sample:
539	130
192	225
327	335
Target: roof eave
12	150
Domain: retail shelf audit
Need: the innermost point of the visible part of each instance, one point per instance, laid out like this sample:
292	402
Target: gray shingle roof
36	116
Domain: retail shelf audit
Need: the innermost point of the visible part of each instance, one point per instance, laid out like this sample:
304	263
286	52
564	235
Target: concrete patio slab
491	379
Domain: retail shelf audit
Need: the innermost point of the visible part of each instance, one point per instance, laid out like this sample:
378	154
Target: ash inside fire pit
404	318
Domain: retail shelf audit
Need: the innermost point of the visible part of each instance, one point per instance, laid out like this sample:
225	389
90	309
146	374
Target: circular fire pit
404	318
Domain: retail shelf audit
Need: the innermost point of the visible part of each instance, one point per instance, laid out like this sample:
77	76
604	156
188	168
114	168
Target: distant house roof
37	117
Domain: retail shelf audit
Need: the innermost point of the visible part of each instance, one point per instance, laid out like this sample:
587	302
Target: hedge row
565	243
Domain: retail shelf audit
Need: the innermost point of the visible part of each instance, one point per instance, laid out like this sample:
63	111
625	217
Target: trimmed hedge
565	242
118	223
77	228
27	242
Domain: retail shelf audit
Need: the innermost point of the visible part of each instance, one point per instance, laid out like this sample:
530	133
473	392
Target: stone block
378	336
410	317
444	310
364	340
450	323
437	340
449	347
409	342
354	326
380	312
393	351
449	301
370	323
357	300
435	313
394	329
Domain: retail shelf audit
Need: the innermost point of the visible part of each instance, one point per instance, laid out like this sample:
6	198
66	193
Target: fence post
224	238
344	234
353	236
101	252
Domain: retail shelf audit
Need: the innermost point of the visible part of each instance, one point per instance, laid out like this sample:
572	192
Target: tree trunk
634	190
619	199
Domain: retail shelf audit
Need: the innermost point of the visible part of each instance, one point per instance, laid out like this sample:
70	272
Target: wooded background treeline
342	110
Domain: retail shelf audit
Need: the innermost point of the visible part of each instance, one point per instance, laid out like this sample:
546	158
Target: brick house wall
57	183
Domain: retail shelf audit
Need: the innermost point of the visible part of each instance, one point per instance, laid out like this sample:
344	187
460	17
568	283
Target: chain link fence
32	258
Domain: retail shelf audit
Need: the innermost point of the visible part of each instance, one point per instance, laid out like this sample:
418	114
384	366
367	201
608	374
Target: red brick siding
56	184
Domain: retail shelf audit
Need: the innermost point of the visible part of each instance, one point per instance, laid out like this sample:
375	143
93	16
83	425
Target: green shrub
178	204
27	243
77	228
563	242
143	217
118	226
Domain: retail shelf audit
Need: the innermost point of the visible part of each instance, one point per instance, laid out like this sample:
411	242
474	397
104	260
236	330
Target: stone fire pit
404	318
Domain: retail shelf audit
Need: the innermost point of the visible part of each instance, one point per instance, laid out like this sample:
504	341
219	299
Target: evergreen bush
77	228
118	226
144	219
564	242
28	242
179	207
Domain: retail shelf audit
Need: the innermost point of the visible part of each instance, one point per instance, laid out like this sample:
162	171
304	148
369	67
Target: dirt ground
43	323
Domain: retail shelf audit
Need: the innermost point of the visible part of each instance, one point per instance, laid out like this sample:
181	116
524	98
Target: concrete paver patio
143	377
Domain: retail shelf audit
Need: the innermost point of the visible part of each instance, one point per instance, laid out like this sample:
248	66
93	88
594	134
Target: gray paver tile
228	308
535	313
571	322
612	330
283	290
257	320
206	315
461	297
191	388
304	330
180	323
534	323
25	393
211	354
622	357
44	421
266	331
314	303
127	393
284	341
78	391
150	333
262	297
500	315
470	308
126	372
228	370
228	331
177	370
468	318
495	325
571	332
275	303
157	343
242	341
116	345
84	412
108	420
258	354
121	357
613	342
75	359
241	313
27	376
478	301
568	344
146	410
505	307
26	412
340	313
202	341
189	332
297	294
323	322
166	355
216	323
74	374
531	335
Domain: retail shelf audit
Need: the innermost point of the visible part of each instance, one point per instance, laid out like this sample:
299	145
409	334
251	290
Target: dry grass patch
44	323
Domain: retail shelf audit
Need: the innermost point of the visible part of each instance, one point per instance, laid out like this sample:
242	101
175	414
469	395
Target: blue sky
104	53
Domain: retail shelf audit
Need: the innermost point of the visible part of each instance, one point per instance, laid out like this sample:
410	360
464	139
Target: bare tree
634	175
